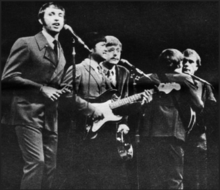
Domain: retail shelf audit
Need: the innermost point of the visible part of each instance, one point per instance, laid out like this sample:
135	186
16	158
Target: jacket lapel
57	75
46	49
93	73
119	77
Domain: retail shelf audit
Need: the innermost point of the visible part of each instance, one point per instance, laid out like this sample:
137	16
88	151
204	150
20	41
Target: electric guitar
108	106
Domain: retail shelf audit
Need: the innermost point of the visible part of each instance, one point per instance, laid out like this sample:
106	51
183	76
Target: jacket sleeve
16	67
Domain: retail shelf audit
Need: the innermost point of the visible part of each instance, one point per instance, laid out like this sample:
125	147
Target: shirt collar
105	70
49	38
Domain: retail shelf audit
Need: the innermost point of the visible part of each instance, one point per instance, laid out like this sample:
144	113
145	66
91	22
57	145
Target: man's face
113	54
54	19
190	65
100	50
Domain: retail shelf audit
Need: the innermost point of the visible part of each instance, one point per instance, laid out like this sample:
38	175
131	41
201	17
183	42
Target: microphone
67	27
126	63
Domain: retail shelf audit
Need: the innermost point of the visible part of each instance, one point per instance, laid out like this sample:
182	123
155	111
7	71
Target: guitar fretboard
127	100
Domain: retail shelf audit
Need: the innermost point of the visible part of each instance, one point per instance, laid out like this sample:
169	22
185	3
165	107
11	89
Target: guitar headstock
168	87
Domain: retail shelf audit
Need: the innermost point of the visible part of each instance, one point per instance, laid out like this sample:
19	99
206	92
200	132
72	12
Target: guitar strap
188	125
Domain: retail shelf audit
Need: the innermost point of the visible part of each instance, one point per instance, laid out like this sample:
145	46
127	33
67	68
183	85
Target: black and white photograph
110	95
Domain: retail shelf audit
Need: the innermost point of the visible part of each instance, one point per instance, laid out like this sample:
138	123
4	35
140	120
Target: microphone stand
73	121
137	135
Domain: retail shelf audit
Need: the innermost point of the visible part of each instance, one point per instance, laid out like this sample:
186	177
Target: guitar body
108	115
105	97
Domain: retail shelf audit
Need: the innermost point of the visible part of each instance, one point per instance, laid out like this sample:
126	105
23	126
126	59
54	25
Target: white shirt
50	40
109	73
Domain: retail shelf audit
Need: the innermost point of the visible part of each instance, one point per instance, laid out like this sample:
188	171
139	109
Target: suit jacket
122	78
205	91
89	85
163	117
122	86
31	64
85	75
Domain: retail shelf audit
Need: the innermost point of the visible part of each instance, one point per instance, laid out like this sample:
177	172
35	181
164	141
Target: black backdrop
145	28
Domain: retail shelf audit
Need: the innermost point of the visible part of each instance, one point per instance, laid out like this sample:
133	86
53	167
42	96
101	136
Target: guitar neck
127	100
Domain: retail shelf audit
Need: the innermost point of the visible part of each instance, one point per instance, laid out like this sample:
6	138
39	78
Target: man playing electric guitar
99	153
105	166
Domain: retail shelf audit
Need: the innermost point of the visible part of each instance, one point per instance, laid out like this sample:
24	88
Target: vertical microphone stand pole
137	135
73	102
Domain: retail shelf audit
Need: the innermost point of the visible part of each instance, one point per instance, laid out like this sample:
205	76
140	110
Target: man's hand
52	93
147	97
123	128
97	114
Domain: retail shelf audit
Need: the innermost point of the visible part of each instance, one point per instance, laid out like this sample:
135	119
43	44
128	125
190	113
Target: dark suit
196	157
31	64
163	132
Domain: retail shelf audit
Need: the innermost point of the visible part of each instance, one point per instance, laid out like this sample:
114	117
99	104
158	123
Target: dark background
144	28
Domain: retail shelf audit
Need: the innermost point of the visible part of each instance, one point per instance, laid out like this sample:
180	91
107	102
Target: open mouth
186	70
56	25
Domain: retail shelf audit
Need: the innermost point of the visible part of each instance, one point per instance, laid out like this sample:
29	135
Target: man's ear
196	68
40	21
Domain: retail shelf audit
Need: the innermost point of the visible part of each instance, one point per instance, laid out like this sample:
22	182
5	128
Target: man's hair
189	52
113	41
92	38
46	5
169	55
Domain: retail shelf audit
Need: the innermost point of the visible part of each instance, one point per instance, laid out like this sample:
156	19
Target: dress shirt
110	74
50	40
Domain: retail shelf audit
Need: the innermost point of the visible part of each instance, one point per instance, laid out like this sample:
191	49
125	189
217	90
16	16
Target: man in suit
117	75
114	173
196	147
34	71
99	152
89	84
164	126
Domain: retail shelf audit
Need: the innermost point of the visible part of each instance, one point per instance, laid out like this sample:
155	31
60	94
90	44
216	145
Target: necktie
99	70
110	76
55	46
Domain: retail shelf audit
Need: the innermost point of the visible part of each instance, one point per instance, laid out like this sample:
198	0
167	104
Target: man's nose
56	17
115	52
186	63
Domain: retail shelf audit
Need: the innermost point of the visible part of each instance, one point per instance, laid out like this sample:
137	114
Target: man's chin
113	62
187	72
